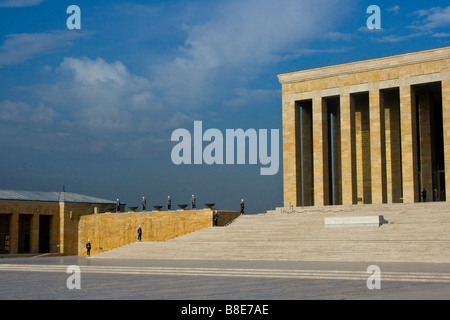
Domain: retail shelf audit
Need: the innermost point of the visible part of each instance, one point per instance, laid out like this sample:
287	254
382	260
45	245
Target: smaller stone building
44	222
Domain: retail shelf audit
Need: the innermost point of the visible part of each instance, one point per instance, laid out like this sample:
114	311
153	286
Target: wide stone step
414	233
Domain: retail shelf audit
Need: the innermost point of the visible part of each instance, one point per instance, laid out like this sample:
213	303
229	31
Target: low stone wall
112	230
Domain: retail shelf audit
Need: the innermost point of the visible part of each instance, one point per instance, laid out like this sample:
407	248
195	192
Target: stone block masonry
113	230
370	132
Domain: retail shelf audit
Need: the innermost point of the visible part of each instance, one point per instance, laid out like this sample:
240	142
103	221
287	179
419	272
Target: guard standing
117	205
215	218
88	248
193	202
169	203
144	204
242	206
139	232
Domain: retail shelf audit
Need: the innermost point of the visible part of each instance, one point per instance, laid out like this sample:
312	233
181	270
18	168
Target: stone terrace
413	233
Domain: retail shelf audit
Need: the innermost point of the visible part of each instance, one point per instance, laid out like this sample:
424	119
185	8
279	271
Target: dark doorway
333	149
430	140
304	154
24	233
44	233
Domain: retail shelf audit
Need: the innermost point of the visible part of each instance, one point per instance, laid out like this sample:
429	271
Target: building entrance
44	233
25	233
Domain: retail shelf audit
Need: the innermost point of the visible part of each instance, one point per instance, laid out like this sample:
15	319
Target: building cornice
365	65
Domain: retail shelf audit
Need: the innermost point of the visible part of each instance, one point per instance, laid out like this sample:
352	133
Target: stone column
377	147
358	158
290	154
61	226
446	122
392	142
319	121
408	137
347	149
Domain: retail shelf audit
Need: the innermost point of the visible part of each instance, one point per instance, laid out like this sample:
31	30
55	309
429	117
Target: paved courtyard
124	279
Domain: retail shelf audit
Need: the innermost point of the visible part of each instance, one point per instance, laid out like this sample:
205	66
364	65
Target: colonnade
375	131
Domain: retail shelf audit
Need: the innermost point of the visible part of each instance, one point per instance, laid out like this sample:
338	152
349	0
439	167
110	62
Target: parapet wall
112	230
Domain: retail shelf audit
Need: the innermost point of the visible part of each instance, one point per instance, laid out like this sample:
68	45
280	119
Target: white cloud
138	10
103	95
299	53
393	38
94	106
95	72
433	18
426	24
338	36
43	114
395	9
239	35
244	97
21	112
441	35
19	3
103	107
18	48
13	111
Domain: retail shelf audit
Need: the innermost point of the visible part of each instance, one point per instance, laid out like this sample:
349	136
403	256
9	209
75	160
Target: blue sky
93	109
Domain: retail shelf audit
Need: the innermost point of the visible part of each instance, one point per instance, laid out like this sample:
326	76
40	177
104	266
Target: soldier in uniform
88	248
215	218
139	232
193	202
144	204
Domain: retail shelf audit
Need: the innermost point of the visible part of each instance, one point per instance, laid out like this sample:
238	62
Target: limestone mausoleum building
374	131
